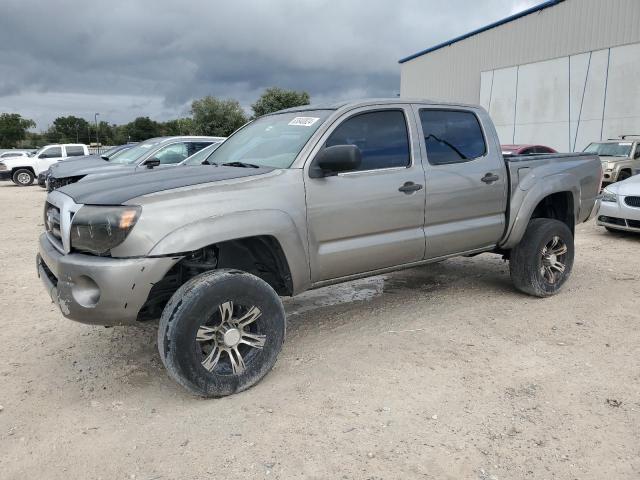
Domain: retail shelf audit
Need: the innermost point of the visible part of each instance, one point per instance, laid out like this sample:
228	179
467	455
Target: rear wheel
23	177
541	263
221	332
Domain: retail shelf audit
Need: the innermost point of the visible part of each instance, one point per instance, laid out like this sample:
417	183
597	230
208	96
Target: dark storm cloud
153	57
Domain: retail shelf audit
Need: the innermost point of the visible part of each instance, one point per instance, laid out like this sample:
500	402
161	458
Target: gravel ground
440	372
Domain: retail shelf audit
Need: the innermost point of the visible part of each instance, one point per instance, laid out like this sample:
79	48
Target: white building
562	74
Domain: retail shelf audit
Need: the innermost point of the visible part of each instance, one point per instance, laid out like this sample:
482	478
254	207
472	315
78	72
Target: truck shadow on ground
127	358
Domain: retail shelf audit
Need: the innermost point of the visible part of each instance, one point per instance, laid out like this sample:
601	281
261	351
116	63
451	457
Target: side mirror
152	162
104	157
333	160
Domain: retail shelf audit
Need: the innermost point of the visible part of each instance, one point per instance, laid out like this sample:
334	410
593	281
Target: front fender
242	224
526	197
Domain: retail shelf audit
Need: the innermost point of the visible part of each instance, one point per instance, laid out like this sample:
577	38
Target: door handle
490	178
410	187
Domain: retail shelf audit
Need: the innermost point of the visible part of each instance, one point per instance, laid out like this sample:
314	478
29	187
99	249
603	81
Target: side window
52	152
452	136
382	138
74	151
528	151
637	154
194	147
172	153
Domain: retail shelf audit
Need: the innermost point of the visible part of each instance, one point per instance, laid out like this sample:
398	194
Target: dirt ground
440	372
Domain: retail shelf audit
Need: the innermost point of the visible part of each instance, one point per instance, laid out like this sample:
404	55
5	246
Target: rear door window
381	136
452	136
74	150
195	147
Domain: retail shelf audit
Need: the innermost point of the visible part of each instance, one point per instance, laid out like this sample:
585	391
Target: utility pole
95	117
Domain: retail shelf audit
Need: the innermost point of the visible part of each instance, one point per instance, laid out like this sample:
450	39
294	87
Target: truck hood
85	166
119	189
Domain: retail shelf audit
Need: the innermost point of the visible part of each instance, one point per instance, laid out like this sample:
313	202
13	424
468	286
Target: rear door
373	217
466	180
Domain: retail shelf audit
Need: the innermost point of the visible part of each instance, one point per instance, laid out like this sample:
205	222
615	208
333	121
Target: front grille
56	183
634	223
52	221
612	220
632	201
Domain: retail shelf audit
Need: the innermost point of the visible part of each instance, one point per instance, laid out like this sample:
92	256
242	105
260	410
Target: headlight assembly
609	196
97	229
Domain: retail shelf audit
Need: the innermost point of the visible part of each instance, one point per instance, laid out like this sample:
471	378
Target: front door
47	158
466	184
371	218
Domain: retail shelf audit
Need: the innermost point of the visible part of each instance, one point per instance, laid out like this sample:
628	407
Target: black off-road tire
23	177
200	299
526	260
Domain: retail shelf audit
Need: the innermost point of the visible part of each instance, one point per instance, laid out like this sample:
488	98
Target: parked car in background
14	153
620	206
24	170
155	152
620	157
109	154
526	149
198	158
300	199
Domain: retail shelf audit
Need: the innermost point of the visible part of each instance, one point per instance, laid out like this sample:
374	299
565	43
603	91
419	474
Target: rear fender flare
524	202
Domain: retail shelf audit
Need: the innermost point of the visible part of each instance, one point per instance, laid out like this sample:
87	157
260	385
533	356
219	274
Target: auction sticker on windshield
304	121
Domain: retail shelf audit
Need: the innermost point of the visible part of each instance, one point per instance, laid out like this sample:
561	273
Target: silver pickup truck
301	199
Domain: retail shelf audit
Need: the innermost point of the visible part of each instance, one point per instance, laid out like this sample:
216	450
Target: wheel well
261	256
558	206
15	169
626	170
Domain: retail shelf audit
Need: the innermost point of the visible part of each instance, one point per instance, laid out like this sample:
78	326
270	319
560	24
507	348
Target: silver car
620	157
620	207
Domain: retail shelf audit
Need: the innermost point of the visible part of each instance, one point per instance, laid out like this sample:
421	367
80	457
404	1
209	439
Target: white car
620	206
24	170
14	153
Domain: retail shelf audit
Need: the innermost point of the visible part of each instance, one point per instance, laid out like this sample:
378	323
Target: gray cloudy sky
126	58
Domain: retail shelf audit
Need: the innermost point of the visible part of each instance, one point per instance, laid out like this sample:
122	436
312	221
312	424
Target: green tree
69	129
179	126
142	128
13	129
274	99
212	116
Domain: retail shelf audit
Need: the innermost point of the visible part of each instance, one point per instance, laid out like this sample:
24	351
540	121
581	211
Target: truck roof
372	101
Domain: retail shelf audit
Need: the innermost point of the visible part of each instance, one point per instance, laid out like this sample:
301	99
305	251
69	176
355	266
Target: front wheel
541	263
23	177
221	332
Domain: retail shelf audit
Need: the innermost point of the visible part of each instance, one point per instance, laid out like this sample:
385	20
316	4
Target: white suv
24	170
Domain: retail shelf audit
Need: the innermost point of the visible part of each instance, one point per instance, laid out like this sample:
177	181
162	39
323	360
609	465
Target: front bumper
619	216
99	290
5	174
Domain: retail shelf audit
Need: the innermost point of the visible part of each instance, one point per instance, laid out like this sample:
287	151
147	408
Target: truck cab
24	170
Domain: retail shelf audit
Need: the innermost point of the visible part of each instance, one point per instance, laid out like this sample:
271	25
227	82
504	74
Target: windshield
198	158
271	141
621	149
130	155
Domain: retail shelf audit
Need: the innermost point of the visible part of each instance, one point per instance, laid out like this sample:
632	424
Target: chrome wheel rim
231	339
554	255
23	178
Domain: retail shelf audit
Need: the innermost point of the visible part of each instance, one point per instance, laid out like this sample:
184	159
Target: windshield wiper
240	164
